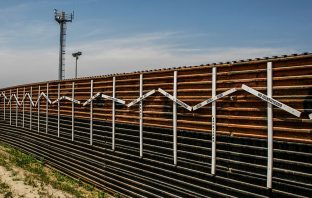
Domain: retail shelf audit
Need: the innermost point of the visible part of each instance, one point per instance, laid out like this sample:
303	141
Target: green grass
40	174
31	181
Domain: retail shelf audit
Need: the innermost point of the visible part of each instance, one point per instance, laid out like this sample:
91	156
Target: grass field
23	175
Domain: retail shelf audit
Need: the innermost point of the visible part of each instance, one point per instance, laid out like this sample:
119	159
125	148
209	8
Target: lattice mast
62	18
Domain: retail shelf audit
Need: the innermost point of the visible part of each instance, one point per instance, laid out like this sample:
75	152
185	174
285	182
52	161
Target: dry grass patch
26	171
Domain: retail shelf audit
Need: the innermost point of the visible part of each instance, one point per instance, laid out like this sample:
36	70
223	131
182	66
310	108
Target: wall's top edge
220	64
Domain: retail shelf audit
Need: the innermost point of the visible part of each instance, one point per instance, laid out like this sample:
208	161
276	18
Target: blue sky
123	36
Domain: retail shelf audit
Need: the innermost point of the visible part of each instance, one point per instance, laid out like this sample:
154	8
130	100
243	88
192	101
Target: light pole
76	55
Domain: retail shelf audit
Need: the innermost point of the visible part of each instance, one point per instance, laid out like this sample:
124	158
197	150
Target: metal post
175	118
38	117
213	122
270	126
73	110
16	108
4	105
47	109
76	67
141	116
58	110
91	114
24	107
10	107
30	110
113	114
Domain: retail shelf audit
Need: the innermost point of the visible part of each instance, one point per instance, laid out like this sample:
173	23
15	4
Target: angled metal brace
13	95
92	98
176	100
66	98
30	99
210	100
10	98
57	100
272	101
4	96
45	96
141	98
71	99
113	99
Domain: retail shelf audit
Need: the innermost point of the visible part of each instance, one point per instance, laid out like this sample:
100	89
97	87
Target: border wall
235	129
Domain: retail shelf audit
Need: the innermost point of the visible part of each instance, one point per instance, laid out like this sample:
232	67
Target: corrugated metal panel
241	129
240	114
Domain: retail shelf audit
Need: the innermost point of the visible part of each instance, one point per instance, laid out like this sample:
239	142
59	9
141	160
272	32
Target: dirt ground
15	186
22	175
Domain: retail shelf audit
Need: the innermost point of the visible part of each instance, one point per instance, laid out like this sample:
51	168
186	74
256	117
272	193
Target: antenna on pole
62	18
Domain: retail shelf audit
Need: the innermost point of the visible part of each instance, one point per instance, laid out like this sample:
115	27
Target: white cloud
151	51
18	67
117	55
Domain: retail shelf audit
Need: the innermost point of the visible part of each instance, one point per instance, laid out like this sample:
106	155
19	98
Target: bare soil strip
22	175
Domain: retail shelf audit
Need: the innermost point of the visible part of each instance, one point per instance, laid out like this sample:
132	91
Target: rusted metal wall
242	148
240	114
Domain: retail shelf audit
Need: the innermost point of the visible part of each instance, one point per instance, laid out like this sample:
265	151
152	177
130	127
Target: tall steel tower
62	18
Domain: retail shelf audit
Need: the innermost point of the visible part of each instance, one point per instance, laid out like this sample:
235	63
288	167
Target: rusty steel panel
238	114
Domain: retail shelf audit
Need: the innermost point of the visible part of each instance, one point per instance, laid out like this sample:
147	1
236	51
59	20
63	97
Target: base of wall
241	162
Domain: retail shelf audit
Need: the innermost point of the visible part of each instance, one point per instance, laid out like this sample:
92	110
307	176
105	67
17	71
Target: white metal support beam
44	96
24	107
175	158
4	104
214	98
30	99
30	110
10	107
113	114
139	99
13	96
3	95
47	109
58	109
16	107
92	98
213	121
65	98
272	101
38	117
175	100
270	126
113	99
91	114
73	110
141	116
